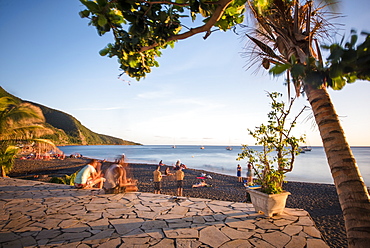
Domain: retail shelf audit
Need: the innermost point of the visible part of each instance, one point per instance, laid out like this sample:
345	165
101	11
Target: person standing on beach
157	180
177	165
239	173
88	177
180	180
249	174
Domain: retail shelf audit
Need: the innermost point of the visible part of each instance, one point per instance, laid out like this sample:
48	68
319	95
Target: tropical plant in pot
279	150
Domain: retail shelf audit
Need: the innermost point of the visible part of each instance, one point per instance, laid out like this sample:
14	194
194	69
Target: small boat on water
306	148
229	148
202	147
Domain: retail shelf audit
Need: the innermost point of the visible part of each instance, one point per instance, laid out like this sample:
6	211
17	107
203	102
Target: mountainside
67	130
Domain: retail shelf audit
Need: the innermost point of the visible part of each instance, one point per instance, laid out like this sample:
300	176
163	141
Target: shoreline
319	200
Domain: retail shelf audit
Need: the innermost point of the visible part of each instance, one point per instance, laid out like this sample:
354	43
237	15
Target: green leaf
102	20
90	5
279	69
336	70
85	13
102	3
297	70
231	11
132	62
104	51
338	83
335	52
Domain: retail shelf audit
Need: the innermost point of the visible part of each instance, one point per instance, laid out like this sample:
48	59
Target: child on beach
157	180
239	173
88	177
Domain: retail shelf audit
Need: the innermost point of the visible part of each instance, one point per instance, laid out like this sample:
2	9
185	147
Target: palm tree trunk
352	192
3	174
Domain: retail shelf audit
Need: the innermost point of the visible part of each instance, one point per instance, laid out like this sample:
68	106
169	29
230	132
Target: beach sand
320	200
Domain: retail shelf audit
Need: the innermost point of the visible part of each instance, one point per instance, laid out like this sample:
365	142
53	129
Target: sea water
310	166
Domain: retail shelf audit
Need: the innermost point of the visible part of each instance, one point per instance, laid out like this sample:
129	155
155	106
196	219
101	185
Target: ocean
310	166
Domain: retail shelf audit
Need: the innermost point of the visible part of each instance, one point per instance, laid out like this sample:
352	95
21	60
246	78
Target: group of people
112	180
249	173
179	175
44	156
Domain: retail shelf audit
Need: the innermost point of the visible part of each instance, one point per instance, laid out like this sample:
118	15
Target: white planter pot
269	204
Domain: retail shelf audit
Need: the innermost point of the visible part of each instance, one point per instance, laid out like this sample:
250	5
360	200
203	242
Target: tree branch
164	2
222	5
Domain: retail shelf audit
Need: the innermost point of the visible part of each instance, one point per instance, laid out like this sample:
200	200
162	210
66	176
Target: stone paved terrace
36	214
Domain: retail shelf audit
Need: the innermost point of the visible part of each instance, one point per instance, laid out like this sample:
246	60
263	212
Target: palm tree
7	156
20	124
286	36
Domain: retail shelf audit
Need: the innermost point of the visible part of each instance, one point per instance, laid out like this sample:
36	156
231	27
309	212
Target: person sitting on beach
200	184
88	177
157	180
116	180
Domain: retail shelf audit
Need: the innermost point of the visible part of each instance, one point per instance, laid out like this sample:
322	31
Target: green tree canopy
142	28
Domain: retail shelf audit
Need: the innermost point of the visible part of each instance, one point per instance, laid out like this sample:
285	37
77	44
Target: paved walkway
36	214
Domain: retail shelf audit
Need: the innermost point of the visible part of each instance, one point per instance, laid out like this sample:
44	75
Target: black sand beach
320	200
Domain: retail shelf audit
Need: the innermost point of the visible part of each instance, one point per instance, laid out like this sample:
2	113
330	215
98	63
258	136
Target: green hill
67	130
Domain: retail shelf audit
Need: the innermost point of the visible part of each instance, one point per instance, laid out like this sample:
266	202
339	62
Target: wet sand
320	200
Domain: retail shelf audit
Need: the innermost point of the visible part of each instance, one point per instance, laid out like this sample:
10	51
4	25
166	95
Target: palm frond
265	48
288	29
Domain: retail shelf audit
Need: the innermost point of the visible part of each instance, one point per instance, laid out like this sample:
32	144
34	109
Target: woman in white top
88	177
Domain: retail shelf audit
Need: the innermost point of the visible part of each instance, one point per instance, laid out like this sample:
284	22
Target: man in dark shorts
157	175
180	179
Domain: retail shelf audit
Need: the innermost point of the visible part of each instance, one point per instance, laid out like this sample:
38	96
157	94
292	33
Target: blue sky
201	94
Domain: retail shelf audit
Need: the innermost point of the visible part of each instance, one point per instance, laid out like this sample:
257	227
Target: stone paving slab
37	214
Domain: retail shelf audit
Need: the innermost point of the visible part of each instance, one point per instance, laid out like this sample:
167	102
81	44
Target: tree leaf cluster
345	64
286	41
349	62
279	146
142	28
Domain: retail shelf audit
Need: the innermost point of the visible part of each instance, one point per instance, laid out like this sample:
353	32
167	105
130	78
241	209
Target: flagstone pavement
37	214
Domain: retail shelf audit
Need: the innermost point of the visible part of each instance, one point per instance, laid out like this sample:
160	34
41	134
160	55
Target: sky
202	93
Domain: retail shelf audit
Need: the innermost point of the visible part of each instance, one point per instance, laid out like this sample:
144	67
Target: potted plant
279	150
